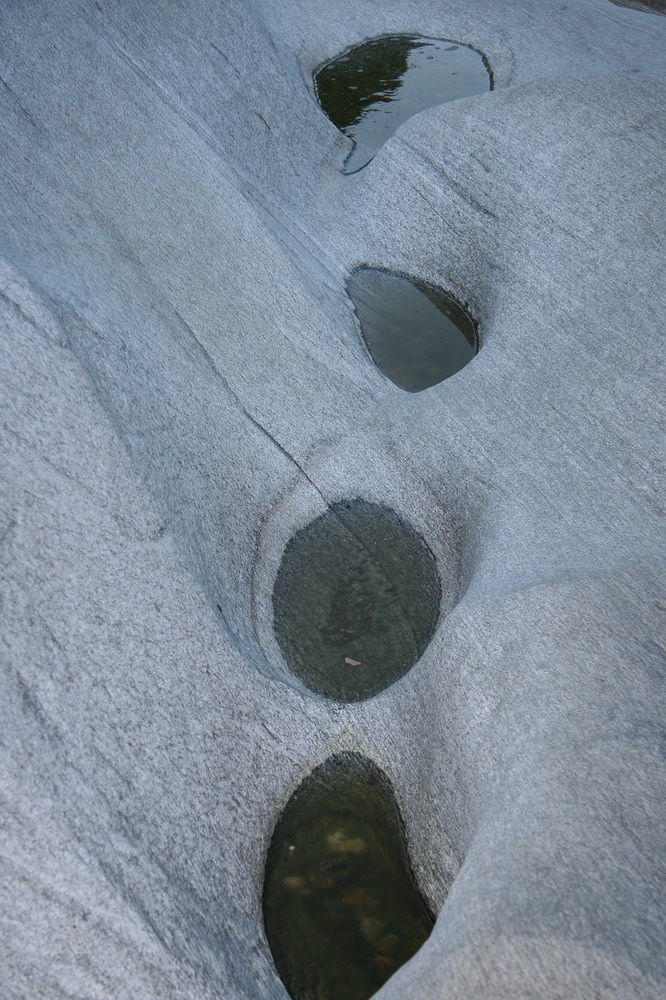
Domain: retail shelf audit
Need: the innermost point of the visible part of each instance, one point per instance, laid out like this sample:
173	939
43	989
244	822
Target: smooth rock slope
184	386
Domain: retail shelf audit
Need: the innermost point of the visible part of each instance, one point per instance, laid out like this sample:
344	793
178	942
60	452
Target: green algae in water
356	600
341	907
370	90
417	335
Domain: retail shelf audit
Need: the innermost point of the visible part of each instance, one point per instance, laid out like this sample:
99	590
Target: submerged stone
341	907
356	600
370	90
417	335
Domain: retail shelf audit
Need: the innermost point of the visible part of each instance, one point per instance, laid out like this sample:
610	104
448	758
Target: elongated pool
371	89
342	909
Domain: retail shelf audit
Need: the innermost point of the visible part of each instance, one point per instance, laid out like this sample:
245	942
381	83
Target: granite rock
184	386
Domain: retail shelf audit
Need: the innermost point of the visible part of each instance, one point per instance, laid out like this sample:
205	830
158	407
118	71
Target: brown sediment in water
342	909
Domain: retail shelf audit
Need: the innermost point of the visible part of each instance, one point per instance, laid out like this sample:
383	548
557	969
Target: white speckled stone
183	386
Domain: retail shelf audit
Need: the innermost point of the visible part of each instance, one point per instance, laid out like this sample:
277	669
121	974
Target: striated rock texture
184	387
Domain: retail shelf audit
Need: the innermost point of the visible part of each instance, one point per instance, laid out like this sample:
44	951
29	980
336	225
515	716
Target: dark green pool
356	600
341	907
417	335
370	90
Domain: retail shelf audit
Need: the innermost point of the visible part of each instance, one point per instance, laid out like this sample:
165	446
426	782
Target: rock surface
184	386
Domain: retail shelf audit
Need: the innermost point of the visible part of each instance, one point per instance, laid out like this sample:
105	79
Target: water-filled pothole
417	335
341	907
356	600
370	90
648	6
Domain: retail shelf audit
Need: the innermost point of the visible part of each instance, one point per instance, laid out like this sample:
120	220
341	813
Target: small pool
417	335
370	90
356	600
342	910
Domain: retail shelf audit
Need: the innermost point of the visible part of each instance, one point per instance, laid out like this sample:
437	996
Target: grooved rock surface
183	387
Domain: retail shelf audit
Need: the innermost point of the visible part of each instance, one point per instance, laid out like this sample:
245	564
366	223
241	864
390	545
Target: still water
417	335
356	600
370	90
341	907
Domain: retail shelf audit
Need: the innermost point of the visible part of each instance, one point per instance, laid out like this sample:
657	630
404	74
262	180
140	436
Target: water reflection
355	601
341	908
374	87
417	335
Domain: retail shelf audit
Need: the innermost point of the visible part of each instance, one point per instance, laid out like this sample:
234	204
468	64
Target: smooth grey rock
184	386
